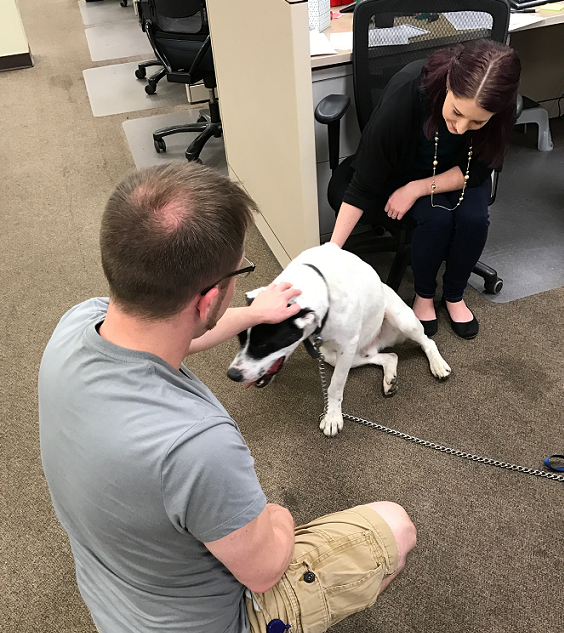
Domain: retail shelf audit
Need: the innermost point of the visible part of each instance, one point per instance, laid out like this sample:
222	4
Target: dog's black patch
267	338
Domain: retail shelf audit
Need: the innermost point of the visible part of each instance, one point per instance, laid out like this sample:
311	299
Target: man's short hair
168	232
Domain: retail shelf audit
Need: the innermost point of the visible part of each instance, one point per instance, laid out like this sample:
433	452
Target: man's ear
205	303
251	295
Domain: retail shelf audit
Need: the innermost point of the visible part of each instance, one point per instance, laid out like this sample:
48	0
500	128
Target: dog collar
313	350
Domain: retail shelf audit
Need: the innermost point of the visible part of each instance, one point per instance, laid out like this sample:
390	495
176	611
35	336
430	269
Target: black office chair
376	60
144	13
179	34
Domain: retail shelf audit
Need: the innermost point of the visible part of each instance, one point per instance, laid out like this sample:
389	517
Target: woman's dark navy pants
455	237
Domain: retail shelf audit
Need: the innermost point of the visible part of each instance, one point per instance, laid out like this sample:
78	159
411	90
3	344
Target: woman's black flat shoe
429	327
467	330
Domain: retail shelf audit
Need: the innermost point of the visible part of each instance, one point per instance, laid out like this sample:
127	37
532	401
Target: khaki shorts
339	563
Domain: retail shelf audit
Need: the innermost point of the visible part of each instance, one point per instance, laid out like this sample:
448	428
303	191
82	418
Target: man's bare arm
269	306
259	553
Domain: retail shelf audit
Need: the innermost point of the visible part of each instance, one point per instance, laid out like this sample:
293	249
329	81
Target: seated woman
428	151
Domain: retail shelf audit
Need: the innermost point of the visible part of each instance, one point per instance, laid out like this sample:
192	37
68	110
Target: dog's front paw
331	424
391	387
440	368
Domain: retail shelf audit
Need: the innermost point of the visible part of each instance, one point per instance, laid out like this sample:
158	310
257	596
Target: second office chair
179	34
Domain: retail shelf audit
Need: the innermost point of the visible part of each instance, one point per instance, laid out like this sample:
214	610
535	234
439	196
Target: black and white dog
356	315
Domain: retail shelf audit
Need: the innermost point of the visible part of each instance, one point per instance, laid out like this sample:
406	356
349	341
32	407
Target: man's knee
401	525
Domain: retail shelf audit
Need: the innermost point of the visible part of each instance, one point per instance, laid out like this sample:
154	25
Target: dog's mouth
269	375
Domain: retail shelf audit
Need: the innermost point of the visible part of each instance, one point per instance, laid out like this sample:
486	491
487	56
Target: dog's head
265	347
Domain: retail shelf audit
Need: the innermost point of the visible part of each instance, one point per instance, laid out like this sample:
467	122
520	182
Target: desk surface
344	25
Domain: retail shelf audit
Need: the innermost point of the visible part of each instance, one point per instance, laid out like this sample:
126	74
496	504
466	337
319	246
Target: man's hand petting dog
272	304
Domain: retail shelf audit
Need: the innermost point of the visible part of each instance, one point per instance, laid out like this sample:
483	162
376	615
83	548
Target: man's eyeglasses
246	271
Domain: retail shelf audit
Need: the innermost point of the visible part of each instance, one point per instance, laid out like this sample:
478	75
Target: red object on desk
336	3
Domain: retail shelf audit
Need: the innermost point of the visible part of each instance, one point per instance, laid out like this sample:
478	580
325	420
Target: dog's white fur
365	316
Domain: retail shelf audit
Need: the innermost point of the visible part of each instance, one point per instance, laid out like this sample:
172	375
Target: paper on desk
469	20
379	37
319	44
342	41
521	20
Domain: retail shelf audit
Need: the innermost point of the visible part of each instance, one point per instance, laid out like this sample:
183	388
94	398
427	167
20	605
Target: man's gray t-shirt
144	465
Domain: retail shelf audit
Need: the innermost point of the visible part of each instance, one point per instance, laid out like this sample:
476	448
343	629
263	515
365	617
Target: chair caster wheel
193	159
123	3
150	89
141	73
493	288
160	145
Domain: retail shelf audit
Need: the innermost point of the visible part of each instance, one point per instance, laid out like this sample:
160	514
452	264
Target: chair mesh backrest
388	34
180	16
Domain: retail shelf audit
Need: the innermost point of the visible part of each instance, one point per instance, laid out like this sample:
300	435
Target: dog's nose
235	374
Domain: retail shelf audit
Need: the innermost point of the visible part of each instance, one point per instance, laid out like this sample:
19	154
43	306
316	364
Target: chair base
205	126
153	80
492	283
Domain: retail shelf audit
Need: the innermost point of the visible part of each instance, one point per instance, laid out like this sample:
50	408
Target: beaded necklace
466	176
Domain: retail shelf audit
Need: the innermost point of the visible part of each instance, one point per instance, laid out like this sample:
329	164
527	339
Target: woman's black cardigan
385	159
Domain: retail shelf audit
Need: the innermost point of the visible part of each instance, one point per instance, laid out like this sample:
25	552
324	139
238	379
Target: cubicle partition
263	68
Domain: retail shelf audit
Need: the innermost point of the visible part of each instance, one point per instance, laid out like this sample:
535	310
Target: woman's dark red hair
483	70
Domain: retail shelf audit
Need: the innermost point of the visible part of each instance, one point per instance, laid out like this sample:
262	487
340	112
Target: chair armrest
331	108
329	111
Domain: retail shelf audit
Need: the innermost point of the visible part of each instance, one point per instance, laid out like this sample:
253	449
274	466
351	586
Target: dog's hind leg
401	316
388	362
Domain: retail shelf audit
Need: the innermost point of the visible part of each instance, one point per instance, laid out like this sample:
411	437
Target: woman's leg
430	242
471	222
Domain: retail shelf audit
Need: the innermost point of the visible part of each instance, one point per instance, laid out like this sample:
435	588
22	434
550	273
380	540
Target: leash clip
312	346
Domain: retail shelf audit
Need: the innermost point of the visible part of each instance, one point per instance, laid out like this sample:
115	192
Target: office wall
14	49
263	68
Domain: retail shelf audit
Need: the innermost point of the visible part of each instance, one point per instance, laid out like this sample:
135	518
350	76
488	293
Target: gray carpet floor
491	546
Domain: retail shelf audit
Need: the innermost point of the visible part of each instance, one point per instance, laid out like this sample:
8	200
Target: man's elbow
262	585
264	579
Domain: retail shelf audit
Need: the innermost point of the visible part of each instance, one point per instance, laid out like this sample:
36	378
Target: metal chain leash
433	445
